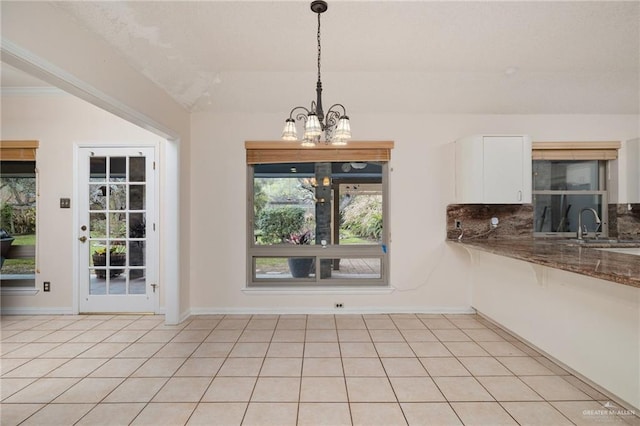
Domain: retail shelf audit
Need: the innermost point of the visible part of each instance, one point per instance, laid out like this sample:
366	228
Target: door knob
83	239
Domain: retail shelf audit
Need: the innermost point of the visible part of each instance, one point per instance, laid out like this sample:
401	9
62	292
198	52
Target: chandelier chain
319	47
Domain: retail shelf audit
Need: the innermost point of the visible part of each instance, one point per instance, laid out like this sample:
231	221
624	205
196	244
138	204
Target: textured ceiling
379	57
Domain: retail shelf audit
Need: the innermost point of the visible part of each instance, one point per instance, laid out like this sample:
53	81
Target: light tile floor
284	370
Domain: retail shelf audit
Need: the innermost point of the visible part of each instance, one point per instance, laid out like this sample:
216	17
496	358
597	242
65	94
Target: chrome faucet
583	231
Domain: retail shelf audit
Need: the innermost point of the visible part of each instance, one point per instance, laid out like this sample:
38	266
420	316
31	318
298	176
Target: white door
117	254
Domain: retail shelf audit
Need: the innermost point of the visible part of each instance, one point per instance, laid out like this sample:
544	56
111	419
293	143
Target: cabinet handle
519	195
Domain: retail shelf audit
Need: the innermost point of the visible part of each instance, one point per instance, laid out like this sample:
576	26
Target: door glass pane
117	258
137	253
97	197
117	282
137	281
117	197
137	225
98	225
118	169
97	249
136	197
137	169
117	225
98	169
97	282
98	267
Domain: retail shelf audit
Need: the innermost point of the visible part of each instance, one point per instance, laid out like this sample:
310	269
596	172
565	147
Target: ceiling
381	57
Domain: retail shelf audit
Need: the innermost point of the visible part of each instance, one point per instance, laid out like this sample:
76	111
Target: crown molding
32	91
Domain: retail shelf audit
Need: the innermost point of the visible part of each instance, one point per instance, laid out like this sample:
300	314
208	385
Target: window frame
23	151
603	168
285	152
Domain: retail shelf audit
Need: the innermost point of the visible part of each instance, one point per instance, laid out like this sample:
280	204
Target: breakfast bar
604	260
579	303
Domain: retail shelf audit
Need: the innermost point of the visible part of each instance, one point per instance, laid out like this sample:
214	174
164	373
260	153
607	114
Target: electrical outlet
46	286
458	224
339	305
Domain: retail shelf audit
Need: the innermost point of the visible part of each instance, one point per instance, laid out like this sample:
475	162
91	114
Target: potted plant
117	257
300	267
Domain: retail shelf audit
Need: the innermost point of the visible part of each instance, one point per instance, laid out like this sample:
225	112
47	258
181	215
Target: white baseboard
36	311
261	291
332	311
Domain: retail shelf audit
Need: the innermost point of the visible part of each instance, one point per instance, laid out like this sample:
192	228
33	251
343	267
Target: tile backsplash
624	221
515	221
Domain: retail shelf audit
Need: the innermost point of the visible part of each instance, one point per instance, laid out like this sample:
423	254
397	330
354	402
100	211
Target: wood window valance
575	150
18	150
267	152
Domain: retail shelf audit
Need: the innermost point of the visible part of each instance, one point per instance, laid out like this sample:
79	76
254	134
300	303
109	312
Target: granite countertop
606	265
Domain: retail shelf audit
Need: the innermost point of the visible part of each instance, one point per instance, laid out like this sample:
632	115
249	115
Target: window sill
19	291
318	290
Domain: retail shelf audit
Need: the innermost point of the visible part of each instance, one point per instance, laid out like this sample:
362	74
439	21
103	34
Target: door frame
158	214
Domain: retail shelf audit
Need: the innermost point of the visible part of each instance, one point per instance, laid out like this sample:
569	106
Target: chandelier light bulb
343	129
312	128
289	133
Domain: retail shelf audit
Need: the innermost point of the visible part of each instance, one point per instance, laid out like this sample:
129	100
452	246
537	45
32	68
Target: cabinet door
469	185
503	169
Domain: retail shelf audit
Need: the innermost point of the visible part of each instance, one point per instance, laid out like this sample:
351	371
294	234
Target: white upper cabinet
493	169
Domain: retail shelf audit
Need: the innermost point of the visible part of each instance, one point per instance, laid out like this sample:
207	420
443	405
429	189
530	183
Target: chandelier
334	124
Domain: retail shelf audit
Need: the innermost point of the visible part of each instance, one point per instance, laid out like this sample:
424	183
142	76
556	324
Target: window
570	178
18	193
564	188
316	219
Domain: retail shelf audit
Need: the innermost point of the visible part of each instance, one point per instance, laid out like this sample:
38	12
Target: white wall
65	54
58	122
427	275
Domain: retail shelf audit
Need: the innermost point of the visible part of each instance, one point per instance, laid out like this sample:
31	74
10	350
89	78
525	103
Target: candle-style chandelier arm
300	115
334	115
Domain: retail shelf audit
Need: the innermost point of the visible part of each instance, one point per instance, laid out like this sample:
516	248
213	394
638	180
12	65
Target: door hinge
154	287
